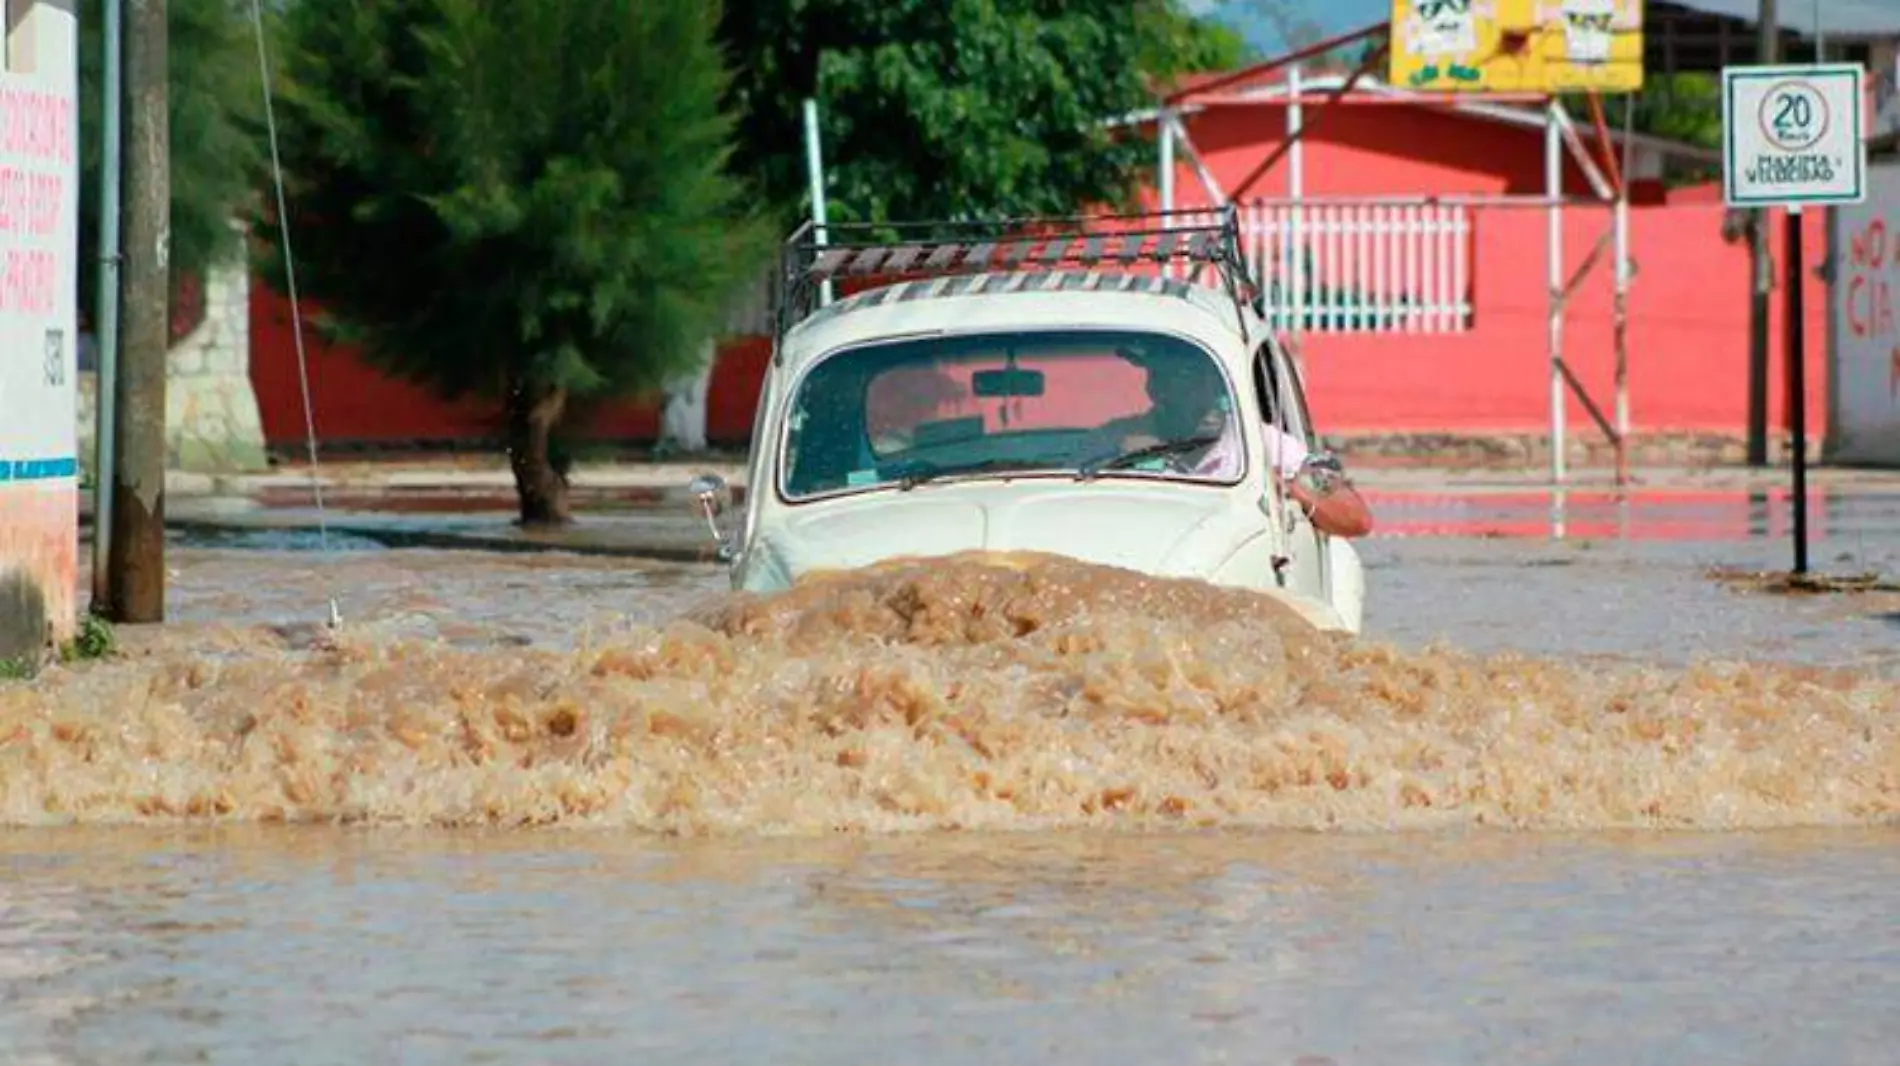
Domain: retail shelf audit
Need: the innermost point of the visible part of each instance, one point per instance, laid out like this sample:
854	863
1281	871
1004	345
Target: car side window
1264	380
1279	404
1295	393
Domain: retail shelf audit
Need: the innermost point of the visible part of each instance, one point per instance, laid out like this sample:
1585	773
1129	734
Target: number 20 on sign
1792	135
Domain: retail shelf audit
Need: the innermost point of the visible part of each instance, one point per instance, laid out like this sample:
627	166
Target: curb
451	541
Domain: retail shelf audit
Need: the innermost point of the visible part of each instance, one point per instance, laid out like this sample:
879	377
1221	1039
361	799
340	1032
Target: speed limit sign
1792	135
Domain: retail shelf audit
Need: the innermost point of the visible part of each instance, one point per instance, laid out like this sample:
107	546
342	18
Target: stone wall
211	416
39	565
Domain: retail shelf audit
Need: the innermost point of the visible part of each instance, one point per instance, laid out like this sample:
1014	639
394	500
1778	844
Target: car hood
1171	530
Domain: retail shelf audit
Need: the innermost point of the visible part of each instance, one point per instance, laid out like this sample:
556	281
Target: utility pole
111	144
135	576
1761	280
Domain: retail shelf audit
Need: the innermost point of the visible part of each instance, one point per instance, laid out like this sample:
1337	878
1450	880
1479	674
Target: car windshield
1091	403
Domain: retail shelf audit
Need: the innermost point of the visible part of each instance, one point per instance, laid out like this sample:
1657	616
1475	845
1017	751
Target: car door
1280	399
763	449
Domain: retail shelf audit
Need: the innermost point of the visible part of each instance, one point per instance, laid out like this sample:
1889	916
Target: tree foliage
217	149
956	108
524	199
1681	107
1686	108
1274	25
1179	42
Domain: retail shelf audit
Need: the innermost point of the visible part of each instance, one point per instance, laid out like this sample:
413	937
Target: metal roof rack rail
922	250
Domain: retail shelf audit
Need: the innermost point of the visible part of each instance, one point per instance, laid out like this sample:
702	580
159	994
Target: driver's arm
1322	489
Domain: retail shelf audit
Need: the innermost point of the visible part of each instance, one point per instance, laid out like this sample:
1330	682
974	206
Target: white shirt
1285	452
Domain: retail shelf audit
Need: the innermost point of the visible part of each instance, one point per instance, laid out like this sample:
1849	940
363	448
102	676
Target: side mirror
713	497
1322	469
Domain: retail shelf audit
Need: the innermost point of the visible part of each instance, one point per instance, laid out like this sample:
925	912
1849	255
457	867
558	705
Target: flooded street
393	946
1569	801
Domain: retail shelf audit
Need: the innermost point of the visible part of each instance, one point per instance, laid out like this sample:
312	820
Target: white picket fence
1360	267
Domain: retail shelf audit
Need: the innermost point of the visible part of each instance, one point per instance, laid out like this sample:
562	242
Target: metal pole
105	409
1164	171
1761	272
1164	166
136	564
1296	191
1295	120
1622	209
1622	298
1554	187
1797	384
816	173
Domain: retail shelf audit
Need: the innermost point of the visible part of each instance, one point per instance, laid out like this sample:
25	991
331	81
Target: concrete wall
1865	353
1883	85
39	218
212	421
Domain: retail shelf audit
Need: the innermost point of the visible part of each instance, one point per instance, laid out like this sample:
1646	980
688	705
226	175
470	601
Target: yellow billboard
1508	46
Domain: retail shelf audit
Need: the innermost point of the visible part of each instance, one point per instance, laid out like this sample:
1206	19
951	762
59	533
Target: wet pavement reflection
1488	679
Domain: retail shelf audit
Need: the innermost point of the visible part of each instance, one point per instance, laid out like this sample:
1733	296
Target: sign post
1791	137
39	285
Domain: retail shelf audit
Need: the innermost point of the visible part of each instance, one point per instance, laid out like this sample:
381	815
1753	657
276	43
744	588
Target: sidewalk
643	510
446	476
663	481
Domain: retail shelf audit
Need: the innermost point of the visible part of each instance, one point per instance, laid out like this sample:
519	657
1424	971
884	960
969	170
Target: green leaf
948	109
534	191
216	111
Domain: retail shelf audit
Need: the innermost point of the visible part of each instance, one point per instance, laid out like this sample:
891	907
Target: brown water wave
991	694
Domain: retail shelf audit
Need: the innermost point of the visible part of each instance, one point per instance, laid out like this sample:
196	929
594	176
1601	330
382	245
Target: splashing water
993	693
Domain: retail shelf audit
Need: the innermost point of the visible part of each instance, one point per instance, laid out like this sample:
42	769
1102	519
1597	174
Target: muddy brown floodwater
552	809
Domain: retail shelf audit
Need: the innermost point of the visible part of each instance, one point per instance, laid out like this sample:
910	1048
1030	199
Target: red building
1423	292
1473	356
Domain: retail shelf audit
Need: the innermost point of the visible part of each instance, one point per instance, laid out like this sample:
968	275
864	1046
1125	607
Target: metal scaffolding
1607	178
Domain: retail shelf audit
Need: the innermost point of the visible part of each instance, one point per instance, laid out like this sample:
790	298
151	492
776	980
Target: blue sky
1334	16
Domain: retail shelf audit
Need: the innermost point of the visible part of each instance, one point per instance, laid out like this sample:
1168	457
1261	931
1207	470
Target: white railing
1363	266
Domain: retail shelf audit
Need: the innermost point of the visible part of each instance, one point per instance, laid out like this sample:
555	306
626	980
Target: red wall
1688	315
354	403
1688	335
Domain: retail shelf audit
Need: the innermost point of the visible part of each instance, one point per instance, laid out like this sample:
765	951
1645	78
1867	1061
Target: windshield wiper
1094	467
931	472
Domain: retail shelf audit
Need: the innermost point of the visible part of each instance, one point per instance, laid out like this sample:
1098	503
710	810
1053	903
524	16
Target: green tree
956	108
1185	43
1275	26
217	151
1686	108
521	199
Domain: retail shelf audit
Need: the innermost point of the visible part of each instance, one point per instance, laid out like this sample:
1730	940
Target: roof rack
939	249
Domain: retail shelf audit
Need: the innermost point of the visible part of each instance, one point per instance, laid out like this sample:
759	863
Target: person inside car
1188	421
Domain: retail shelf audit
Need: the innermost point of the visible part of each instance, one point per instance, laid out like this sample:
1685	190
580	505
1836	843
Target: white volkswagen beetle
1054	392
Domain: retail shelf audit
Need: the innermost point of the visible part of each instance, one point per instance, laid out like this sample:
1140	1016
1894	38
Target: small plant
95	640
16	670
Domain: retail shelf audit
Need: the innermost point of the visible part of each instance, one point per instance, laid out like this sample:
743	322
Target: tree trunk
683	420
542	489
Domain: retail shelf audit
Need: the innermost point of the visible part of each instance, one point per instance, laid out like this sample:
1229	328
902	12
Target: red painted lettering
28	283
1868	248
46	196
1869	306
29	202
36	125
